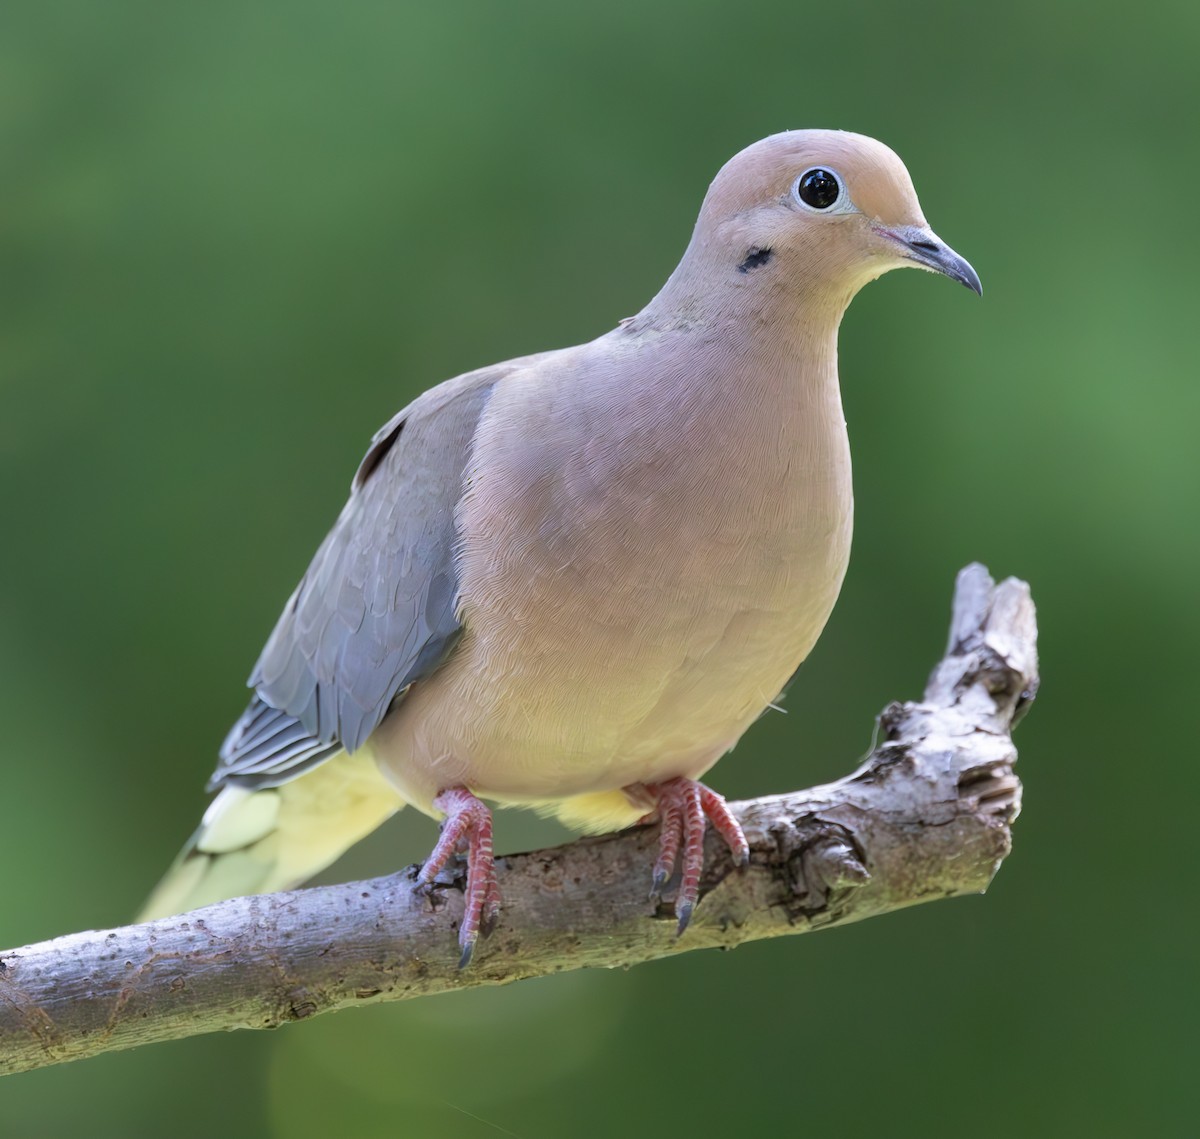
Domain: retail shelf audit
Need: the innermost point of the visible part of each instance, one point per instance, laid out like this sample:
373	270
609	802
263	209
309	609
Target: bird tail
259	840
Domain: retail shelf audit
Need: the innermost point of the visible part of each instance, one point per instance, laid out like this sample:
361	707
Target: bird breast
645	558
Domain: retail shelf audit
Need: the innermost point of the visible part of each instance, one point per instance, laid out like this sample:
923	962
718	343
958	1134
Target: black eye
818	188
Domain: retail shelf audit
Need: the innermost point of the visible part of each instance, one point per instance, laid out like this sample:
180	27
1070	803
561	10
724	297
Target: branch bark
926	816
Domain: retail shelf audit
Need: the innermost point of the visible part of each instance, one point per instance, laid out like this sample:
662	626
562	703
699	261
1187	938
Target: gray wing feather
376	609
267	747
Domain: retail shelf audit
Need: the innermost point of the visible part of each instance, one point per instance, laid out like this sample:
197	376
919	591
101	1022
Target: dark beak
924	248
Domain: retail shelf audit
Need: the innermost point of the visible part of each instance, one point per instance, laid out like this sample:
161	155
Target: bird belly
631	605
597	672
600	697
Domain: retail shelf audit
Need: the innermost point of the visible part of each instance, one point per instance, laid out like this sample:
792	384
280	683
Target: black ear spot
754	258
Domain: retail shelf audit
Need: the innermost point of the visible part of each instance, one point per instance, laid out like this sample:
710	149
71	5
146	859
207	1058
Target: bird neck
761	364
767	301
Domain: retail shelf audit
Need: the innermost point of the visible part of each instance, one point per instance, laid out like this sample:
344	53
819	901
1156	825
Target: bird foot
467	828
685	808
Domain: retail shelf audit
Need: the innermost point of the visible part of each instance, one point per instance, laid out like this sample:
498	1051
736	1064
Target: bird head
818	212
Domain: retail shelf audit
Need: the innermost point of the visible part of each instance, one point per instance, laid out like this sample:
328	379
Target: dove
573	580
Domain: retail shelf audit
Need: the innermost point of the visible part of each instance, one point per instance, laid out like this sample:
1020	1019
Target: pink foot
468	826
685	807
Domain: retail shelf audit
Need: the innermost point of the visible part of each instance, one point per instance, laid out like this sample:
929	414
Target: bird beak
923	247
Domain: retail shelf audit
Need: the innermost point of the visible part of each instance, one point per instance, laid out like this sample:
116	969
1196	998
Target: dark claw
467	953
657	883
424	887
684	914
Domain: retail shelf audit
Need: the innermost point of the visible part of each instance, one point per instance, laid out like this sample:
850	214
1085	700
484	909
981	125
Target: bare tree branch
926	816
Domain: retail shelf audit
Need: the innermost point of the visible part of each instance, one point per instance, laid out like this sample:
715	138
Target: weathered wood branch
926	816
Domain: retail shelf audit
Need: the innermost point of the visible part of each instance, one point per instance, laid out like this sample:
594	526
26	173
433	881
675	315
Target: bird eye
818	188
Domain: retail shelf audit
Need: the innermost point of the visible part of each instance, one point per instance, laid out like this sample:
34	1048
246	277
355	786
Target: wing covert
375	610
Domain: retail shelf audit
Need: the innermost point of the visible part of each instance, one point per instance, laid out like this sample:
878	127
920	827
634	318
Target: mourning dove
573	580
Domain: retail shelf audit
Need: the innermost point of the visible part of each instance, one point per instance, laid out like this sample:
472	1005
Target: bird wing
376	609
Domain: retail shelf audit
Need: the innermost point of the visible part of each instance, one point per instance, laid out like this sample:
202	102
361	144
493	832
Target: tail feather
259	841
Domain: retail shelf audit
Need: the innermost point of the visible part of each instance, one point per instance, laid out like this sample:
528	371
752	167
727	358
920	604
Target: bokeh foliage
235	237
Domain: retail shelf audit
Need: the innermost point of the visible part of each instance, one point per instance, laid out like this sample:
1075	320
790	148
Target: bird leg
467	829
685	808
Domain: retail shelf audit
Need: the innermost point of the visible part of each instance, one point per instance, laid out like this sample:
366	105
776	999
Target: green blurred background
235	237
